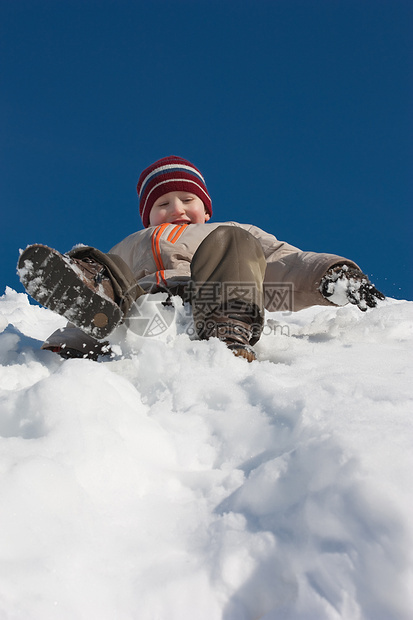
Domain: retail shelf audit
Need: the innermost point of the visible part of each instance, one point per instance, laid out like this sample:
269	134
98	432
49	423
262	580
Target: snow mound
178	482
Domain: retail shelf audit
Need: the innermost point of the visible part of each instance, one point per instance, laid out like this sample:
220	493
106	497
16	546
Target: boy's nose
177	205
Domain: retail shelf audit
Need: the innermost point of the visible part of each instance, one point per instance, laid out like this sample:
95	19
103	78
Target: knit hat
170	174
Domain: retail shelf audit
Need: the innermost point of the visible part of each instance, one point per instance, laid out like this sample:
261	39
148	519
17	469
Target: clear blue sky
299	114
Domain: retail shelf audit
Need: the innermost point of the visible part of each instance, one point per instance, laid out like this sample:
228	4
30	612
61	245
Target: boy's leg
91	289
228	272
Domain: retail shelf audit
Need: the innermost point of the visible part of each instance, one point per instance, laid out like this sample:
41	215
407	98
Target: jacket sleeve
293	277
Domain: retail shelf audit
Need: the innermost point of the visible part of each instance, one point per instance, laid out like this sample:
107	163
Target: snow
178	482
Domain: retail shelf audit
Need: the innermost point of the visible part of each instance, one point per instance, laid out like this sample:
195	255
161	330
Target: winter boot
236	329
80	290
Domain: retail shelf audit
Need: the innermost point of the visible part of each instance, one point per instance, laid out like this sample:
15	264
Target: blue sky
298	113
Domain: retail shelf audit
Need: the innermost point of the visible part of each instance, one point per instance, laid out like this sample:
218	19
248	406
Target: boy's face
178	208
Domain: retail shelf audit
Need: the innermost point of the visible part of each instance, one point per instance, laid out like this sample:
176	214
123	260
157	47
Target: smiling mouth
180	221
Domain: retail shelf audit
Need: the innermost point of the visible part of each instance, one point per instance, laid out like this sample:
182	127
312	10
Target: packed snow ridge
178	482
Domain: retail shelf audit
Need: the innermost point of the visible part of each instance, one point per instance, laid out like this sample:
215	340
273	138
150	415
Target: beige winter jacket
162	255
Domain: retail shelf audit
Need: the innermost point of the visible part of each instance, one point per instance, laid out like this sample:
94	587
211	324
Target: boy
229	272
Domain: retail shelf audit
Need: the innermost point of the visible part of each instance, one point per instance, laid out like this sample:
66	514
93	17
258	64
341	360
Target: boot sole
48	277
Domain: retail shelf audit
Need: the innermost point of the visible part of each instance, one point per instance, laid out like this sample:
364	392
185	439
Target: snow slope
177	482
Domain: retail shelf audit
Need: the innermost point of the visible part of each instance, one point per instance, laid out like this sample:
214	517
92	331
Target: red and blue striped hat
170	174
